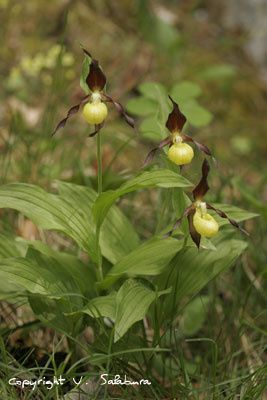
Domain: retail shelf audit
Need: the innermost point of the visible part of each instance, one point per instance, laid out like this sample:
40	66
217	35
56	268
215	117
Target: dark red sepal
176	119
193	233
97	129
96	79
121	110
153	152
202	187
222	214
177	223
73	110
200	146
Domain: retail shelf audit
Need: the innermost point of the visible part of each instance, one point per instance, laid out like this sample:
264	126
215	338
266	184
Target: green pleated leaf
82	274
54	284
202	266
51	212
71	213
192	269
8	247
125	307
18	275
102	306
118	236
65	293
159	178
133	300
149	258
37	274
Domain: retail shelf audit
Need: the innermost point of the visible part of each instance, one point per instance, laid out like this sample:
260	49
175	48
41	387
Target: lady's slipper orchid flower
200	222
179	152
95	110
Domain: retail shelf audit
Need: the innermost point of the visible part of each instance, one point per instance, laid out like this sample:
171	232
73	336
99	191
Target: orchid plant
95	112
122	274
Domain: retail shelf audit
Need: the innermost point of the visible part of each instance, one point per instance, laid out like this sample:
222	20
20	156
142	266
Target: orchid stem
99	163
99	190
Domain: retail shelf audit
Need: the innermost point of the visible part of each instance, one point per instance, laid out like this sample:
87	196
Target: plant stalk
99	163
99	190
